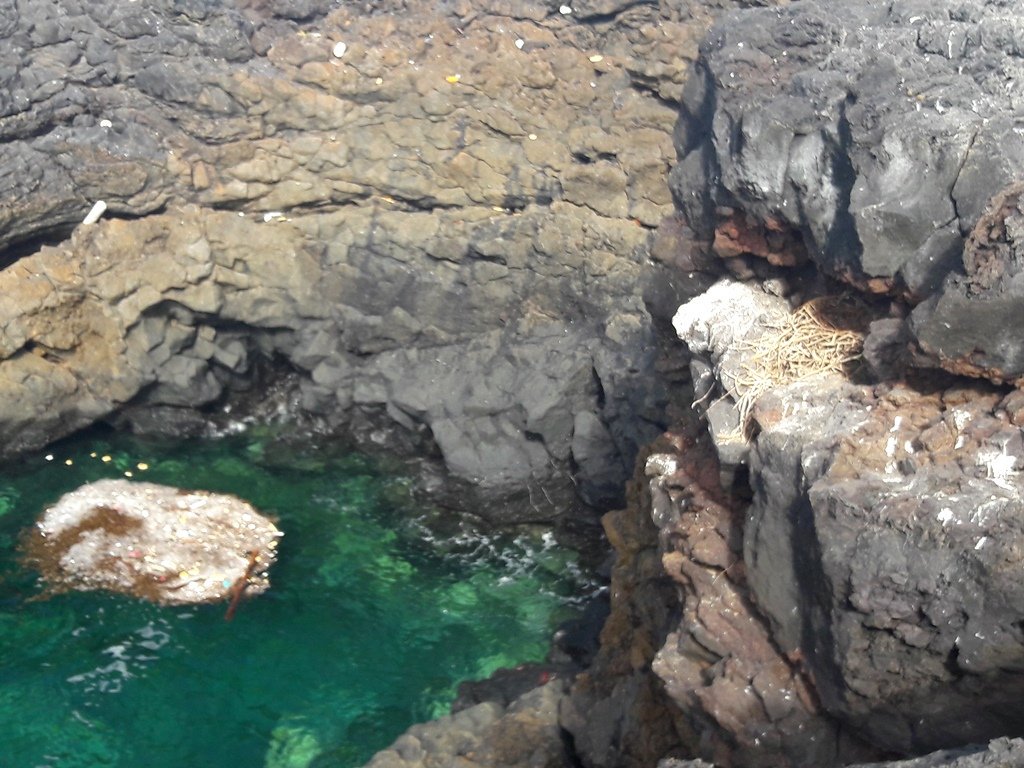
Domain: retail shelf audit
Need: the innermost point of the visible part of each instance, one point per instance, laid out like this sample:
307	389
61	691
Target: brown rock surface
699	672
487	735
617	712
444	230
875	566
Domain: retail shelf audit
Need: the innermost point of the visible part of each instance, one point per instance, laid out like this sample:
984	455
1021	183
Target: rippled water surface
369	624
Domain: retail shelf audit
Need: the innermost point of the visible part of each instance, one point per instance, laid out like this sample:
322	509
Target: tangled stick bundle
824	335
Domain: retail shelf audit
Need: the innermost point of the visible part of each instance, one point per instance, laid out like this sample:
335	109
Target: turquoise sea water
369	624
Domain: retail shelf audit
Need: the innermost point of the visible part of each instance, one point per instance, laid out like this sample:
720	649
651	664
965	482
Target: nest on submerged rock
153	541
824	335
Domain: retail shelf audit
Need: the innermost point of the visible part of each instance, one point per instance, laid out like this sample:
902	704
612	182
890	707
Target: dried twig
241	583
818	337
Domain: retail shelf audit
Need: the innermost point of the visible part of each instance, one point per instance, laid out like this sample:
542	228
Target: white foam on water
128	659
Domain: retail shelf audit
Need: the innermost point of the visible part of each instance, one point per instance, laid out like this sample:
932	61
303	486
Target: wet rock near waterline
153	542
573	648
871	138
508	684
488	735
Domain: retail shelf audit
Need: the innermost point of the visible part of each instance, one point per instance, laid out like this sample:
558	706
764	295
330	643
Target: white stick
95	212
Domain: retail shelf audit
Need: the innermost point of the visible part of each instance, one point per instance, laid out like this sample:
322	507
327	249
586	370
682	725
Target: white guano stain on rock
153	541
1000	467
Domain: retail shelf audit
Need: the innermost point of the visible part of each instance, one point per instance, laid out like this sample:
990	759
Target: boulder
872	138
153	542
488	735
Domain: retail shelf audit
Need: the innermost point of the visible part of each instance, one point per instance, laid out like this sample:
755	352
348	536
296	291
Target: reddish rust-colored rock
748	702
771	239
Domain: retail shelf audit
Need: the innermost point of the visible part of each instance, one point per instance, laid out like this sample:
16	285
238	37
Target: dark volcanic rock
904	558
506	685
697	673
878	132
882	547
999	753
490	735
972	326
617	713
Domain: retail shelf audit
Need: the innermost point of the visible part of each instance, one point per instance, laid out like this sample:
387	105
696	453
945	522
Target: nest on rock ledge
824	335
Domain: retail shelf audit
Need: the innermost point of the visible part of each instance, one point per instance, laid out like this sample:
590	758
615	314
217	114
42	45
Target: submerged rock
155	542
488	735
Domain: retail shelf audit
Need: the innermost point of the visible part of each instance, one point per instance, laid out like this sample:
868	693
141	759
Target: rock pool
369	625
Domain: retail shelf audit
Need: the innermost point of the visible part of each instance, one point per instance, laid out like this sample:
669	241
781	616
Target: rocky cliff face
449	227
882	136
843	524
441	220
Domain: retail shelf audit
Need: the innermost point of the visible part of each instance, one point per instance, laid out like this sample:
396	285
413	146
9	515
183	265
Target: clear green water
369	625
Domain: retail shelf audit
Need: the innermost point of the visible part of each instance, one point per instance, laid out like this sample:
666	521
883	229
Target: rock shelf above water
153	541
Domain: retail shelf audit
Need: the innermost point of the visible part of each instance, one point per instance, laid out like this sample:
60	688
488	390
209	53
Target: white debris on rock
724	314
1000	466
95	213
714	326
155	542
660	464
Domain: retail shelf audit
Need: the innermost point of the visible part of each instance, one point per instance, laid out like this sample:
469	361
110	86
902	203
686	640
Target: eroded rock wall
846	542
445	223
879	136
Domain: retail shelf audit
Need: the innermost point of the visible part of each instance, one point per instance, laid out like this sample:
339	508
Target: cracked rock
877	131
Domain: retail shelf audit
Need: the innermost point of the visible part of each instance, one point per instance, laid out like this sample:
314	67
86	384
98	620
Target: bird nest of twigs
825	335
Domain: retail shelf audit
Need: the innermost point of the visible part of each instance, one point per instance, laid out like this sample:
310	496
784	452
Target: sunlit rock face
154	542
440	217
